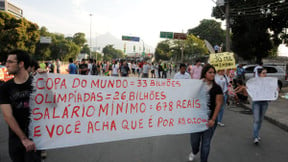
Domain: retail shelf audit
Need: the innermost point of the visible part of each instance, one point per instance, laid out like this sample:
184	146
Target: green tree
43	51
99	56
85	49
17	34
193	48
79	39
162	51
60	47
251	39
63	48
209	30
111	53
257	26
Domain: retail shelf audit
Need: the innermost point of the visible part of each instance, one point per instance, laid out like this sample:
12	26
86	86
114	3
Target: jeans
205	139
221	112
18	152
259	108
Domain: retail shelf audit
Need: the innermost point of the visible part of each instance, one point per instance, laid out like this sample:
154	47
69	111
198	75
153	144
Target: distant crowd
122	68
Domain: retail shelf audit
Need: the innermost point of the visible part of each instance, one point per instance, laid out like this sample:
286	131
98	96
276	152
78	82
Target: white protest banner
71	110
222	61
262	88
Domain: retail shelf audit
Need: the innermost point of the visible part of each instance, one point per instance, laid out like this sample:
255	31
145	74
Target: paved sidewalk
277	112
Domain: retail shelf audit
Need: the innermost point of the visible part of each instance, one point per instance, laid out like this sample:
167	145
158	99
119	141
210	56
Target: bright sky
142	18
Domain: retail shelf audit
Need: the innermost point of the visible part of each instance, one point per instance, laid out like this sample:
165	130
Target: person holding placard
214	104
259	109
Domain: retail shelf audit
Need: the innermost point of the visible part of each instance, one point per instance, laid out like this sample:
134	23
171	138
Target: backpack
124	70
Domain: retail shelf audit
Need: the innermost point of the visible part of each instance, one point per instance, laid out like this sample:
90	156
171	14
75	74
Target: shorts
242	97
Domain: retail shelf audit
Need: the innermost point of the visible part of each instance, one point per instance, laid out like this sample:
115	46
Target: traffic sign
130	38
180	36
166	35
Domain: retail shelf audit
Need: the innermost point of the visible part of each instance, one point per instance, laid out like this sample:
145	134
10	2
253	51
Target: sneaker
191	156
259	138
220	124
256	141
43	154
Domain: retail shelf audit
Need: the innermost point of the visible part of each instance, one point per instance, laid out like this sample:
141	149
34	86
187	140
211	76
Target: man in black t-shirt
83	68
14	103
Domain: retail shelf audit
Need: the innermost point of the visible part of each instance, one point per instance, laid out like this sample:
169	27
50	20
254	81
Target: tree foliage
61	47
79	39
193	48
21	34
257	26
85	49
17	34
111	53
163	51
209	30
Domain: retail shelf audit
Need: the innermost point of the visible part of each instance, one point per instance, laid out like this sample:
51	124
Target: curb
270	119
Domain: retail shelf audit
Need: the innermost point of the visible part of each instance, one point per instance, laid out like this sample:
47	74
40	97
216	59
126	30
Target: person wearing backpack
94	69
124	69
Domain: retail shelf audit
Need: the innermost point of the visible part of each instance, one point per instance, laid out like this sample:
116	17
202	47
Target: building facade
12	9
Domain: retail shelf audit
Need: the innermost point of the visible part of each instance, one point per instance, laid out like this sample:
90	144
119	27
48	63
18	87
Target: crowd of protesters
123	68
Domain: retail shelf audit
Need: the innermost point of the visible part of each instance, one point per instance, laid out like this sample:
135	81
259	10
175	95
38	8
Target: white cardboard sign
262	88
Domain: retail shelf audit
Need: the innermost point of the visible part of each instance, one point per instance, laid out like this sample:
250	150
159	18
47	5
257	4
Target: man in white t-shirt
145	71
90	66
182	74
259	66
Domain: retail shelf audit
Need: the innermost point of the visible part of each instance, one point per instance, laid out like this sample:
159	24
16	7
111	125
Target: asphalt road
232	143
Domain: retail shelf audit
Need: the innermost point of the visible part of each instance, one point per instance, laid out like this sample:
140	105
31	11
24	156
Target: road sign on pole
180	36
130	38
168	35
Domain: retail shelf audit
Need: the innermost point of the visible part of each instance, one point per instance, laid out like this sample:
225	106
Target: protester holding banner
214	103
259	109
222	80
14	103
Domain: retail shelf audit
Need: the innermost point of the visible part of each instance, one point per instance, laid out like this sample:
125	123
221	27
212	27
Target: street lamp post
90	36
182	53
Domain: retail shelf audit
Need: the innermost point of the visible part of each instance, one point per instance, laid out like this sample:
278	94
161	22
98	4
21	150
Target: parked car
272	71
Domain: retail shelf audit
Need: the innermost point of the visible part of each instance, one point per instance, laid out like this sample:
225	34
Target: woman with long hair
214	103
259	109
